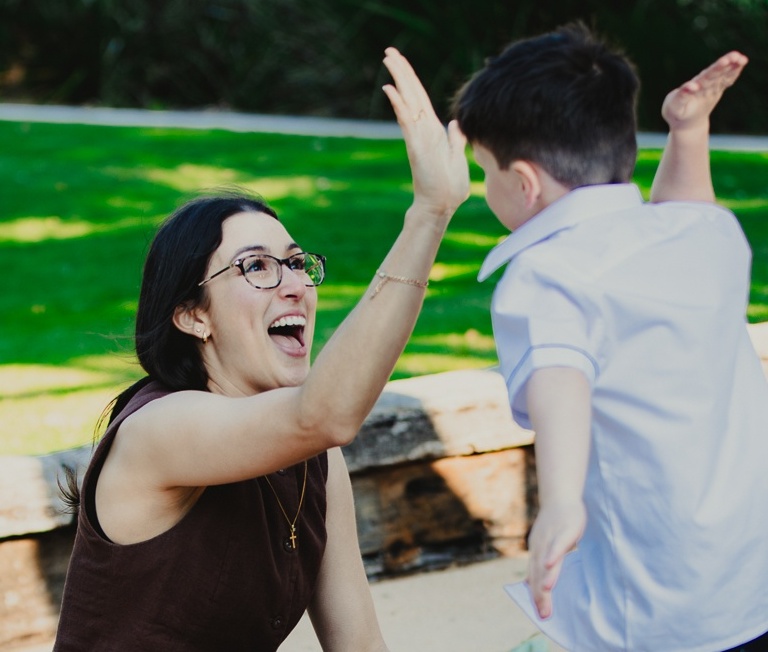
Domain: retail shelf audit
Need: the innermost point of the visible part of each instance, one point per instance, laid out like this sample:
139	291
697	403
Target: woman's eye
297	263
255	265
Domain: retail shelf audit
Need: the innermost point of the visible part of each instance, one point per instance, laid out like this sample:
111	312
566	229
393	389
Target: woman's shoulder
152	392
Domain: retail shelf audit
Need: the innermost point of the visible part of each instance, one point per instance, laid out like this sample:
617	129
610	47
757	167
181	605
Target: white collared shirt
648	301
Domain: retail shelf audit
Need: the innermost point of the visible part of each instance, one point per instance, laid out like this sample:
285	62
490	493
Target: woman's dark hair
176	263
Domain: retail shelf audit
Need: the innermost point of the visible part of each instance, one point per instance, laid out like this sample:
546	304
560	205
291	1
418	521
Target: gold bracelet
399	279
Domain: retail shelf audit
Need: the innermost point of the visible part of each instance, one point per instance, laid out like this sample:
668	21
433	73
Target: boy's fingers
537	581
734	58
542	589
544	604
550	576
723	72
539	594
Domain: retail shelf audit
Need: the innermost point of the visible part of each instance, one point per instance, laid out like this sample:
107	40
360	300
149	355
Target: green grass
80	204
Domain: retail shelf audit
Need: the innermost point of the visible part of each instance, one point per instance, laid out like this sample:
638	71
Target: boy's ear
530	181
190	320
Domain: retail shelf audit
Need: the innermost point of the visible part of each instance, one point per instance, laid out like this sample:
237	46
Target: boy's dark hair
562	100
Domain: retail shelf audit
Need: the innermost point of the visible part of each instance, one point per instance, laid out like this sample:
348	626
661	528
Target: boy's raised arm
683	172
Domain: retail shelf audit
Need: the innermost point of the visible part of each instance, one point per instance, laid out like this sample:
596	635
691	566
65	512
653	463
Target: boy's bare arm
560	408
683	172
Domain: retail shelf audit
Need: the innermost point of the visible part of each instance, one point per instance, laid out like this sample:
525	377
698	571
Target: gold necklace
291	523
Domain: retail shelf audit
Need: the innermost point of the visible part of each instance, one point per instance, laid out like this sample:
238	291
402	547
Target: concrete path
461	609
226	120
305	126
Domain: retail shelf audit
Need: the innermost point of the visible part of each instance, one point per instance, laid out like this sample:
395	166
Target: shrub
323	57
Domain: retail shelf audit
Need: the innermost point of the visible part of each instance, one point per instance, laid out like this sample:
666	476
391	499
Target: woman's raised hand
437	157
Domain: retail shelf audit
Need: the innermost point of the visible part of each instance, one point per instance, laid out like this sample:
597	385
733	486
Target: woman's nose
292	283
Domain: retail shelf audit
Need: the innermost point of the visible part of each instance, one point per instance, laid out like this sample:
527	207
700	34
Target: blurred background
323	57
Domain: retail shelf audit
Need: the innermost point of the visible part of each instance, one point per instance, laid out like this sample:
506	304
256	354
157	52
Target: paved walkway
461	609
305	126
226	120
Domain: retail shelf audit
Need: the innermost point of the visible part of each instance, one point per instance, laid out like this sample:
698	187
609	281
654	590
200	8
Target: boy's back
621	334
648	302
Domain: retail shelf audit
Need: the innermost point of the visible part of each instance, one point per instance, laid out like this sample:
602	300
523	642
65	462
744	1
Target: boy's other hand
555	532
560	409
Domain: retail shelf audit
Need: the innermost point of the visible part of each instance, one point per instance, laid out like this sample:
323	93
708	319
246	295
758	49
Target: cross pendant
293	537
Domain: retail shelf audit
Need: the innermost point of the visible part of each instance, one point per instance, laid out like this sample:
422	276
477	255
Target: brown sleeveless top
225	578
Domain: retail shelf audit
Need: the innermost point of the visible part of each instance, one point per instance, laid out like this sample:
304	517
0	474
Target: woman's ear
191	320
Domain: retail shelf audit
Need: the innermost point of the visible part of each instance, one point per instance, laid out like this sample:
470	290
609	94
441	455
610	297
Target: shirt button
276	622
281	471
287	545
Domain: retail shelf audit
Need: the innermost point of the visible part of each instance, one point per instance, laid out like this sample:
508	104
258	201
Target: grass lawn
80	204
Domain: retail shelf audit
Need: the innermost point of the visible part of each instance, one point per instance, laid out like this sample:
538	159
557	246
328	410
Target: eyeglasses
266	272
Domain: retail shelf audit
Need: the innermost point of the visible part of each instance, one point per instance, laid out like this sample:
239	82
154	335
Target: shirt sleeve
540	323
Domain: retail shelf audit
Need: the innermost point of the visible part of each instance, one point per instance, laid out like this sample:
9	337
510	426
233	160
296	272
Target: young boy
621	335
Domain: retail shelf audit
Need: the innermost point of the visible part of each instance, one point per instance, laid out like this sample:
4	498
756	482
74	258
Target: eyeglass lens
263	271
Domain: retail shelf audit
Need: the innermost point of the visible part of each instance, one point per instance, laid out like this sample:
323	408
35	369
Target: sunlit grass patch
53	227
40	424
419	364
45	408
81	203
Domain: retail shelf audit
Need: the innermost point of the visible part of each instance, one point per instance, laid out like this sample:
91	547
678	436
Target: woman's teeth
289	321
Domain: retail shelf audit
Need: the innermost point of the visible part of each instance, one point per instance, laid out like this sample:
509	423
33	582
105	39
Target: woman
217	507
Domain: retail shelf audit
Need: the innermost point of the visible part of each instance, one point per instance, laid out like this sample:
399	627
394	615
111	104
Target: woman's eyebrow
260	249
252	247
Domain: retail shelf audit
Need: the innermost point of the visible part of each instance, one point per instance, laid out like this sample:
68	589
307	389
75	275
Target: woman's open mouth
288	332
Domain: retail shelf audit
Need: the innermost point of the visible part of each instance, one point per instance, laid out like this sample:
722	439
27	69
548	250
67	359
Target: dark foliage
323	57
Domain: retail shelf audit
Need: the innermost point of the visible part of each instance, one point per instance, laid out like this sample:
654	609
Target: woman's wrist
431	218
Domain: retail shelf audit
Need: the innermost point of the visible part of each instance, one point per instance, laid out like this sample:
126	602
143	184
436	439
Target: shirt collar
576	206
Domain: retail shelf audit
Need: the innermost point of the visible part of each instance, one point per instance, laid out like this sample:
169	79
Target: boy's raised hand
437	158
690	105
684	174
